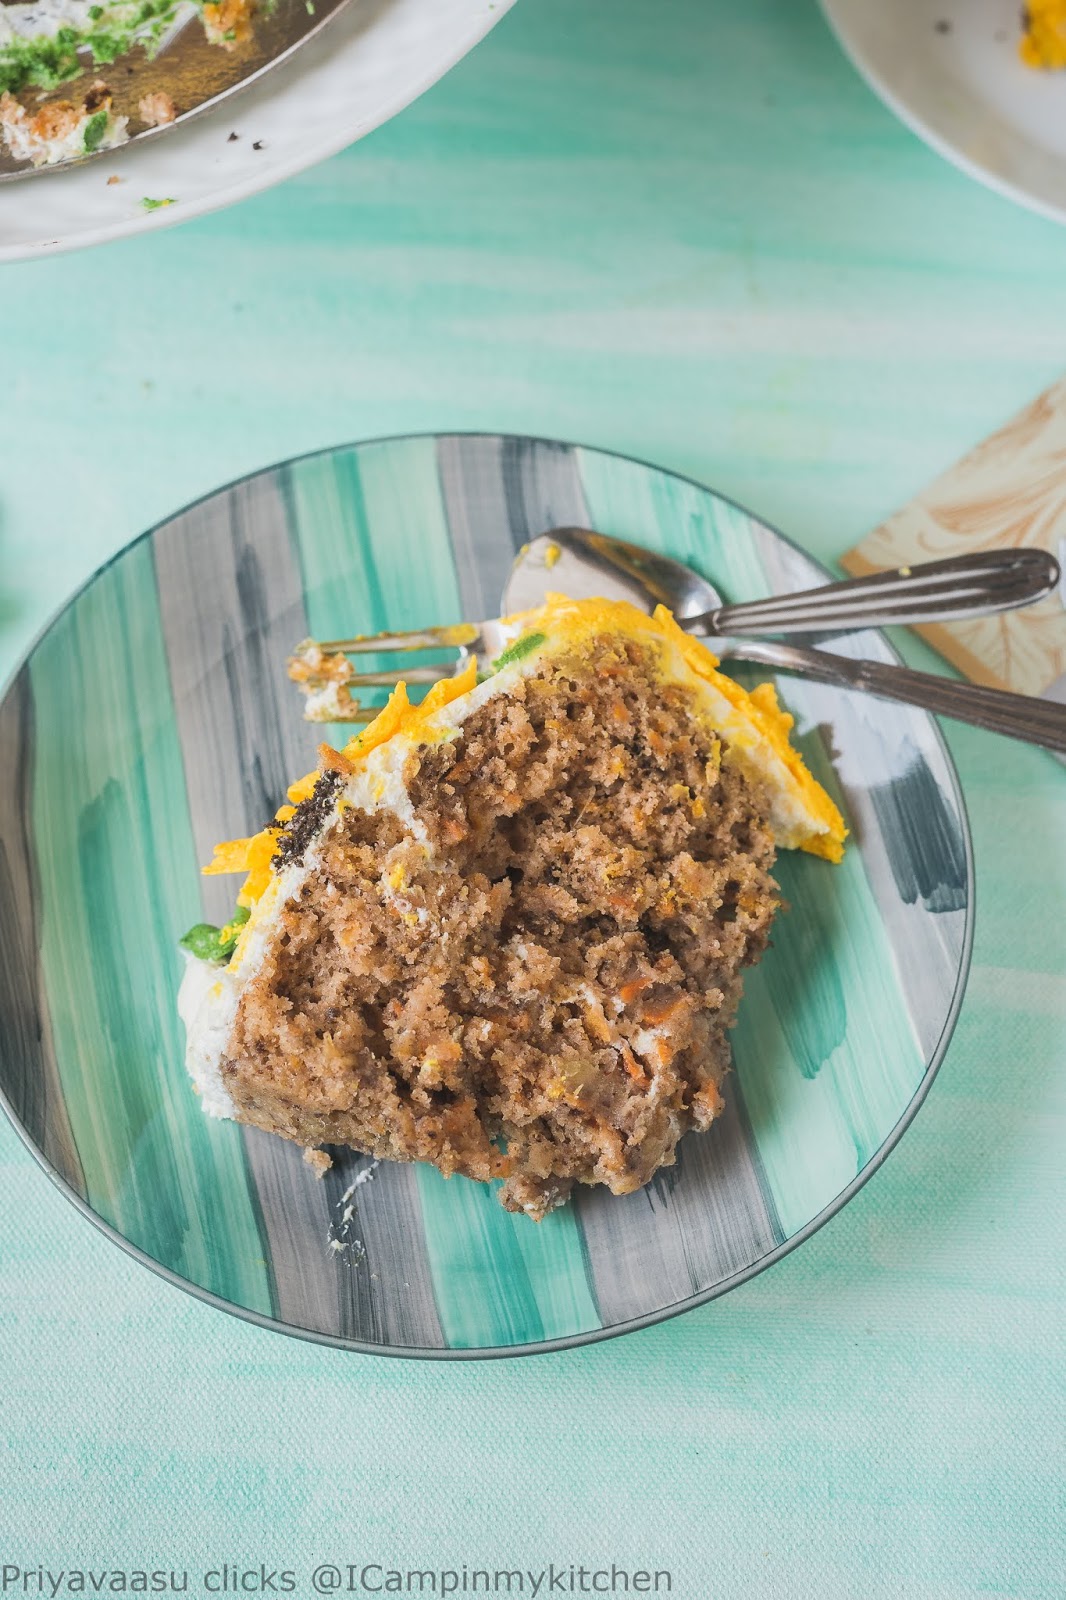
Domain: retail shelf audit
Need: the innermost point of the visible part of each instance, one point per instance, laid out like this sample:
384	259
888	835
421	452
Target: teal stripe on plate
676	518
509	1280
824	1047
497	1279
356	583
118	883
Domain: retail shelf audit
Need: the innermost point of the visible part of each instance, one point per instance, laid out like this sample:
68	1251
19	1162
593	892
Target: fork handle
932	591
1030	718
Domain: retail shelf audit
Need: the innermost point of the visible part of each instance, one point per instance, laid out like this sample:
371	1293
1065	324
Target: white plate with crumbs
953	71
372	61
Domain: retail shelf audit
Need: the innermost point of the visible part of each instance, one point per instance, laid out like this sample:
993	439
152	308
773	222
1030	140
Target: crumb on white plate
157	109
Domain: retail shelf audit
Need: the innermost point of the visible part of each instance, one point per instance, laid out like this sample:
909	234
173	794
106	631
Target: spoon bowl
587	566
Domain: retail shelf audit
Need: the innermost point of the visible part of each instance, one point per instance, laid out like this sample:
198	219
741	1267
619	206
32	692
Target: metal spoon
587	565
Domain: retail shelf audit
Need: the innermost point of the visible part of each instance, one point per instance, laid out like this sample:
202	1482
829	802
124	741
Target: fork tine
330	700
340	707
355	712
367	680
322	671
457	635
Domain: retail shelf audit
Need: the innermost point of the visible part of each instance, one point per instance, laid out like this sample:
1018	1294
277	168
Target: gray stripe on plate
694	1226
28	1071
243	741
523	486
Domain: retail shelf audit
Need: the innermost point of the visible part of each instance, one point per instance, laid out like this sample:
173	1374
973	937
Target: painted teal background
687	231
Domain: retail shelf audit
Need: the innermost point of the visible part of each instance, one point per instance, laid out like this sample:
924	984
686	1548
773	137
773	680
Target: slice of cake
503	931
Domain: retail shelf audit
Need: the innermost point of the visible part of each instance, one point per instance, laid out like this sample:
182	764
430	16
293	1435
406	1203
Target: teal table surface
689	232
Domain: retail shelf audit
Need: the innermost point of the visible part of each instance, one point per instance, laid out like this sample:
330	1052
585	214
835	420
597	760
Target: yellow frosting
1043	44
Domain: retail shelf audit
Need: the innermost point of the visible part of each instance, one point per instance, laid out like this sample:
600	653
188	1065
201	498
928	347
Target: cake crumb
319	1161
228	22
156	109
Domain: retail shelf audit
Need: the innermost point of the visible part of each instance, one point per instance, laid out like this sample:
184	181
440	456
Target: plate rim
632	1324
931	136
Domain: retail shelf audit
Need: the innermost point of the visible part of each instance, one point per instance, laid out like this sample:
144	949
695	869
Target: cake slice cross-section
503	931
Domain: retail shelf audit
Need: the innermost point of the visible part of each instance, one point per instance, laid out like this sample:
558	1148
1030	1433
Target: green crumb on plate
155	205
519	650
95	129
208	943
203	942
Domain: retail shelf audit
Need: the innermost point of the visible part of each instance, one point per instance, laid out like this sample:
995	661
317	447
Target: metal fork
583	564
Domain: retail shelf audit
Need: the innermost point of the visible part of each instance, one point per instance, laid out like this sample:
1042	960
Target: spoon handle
1020	716
934	591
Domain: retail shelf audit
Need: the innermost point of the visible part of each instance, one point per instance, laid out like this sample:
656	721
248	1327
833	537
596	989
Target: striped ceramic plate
154	717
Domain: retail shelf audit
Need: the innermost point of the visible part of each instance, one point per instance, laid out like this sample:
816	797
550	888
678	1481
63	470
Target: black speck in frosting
307	821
